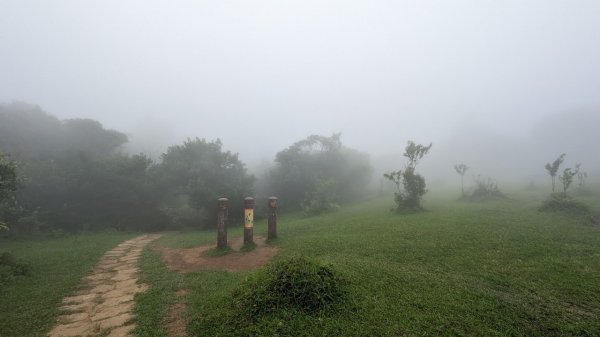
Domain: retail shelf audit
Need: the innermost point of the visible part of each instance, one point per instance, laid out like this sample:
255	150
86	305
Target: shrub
561	202
485	190
295	283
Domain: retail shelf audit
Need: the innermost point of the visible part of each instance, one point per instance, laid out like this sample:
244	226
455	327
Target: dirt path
186	260
193	259
104	305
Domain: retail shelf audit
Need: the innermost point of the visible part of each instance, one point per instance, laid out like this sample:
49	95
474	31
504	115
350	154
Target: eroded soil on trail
195	259
187	260
104	304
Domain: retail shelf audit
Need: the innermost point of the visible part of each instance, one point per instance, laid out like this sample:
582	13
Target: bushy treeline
319	173
72	175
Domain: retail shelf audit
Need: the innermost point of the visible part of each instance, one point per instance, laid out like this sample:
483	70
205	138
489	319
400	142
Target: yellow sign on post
248	218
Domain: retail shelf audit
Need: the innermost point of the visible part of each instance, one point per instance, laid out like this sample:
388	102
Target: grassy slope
493	269
28	305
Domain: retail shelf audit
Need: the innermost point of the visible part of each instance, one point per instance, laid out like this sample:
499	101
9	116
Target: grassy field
489	269
499	268
28	304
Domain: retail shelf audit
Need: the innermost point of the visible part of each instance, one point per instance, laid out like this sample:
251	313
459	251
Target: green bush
295	283
485	190
562	202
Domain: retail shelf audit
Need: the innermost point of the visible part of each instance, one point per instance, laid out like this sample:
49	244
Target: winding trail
104	305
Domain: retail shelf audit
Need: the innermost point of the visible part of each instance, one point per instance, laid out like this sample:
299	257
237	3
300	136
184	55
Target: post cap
272	203
248	202
222	203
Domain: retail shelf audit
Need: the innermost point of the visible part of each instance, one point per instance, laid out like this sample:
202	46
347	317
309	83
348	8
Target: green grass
29	304
499	268
152	306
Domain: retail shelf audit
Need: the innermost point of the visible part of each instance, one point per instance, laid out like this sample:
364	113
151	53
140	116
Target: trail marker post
248	220
272	221
222	222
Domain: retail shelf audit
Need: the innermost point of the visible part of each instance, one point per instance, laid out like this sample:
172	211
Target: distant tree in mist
562	201
77	178
8	178
29	133
566	178
461	169
485	189
581	176
318	173
553	169
200	172
321	198
410	186
9	182
74	176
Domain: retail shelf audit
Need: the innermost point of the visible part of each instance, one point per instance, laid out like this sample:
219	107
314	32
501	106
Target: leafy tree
321	199
198	172
28	133
567	178
76	178
93	194
553	168
9	182
415	152
302	170
562	201
88	136
461	169
410	185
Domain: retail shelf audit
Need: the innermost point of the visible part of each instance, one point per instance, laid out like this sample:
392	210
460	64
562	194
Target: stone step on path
104	305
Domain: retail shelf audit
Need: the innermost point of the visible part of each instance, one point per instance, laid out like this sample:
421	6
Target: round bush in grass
564	203
296	283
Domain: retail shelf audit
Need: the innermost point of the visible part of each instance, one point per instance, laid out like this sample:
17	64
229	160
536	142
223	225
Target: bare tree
553	169
461	169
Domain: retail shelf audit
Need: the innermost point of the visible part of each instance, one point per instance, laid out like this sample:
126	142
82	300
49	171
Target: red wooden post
248	220
222	223
272	222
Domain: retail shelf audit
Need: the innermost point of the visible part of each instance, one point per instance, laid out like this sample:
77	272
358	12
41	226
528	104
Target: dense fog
502	87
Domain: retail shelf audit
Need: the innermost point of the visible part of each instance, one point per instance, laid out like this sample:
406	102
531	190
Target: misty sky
263	74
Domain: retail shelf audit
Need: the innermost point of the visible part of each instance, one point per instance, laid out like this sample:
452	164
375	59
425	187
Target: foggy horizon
264	75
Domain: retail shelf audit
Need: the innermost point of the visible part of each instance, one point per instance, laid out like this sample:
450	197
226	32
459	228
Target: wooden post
248	220
272	222
222	223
